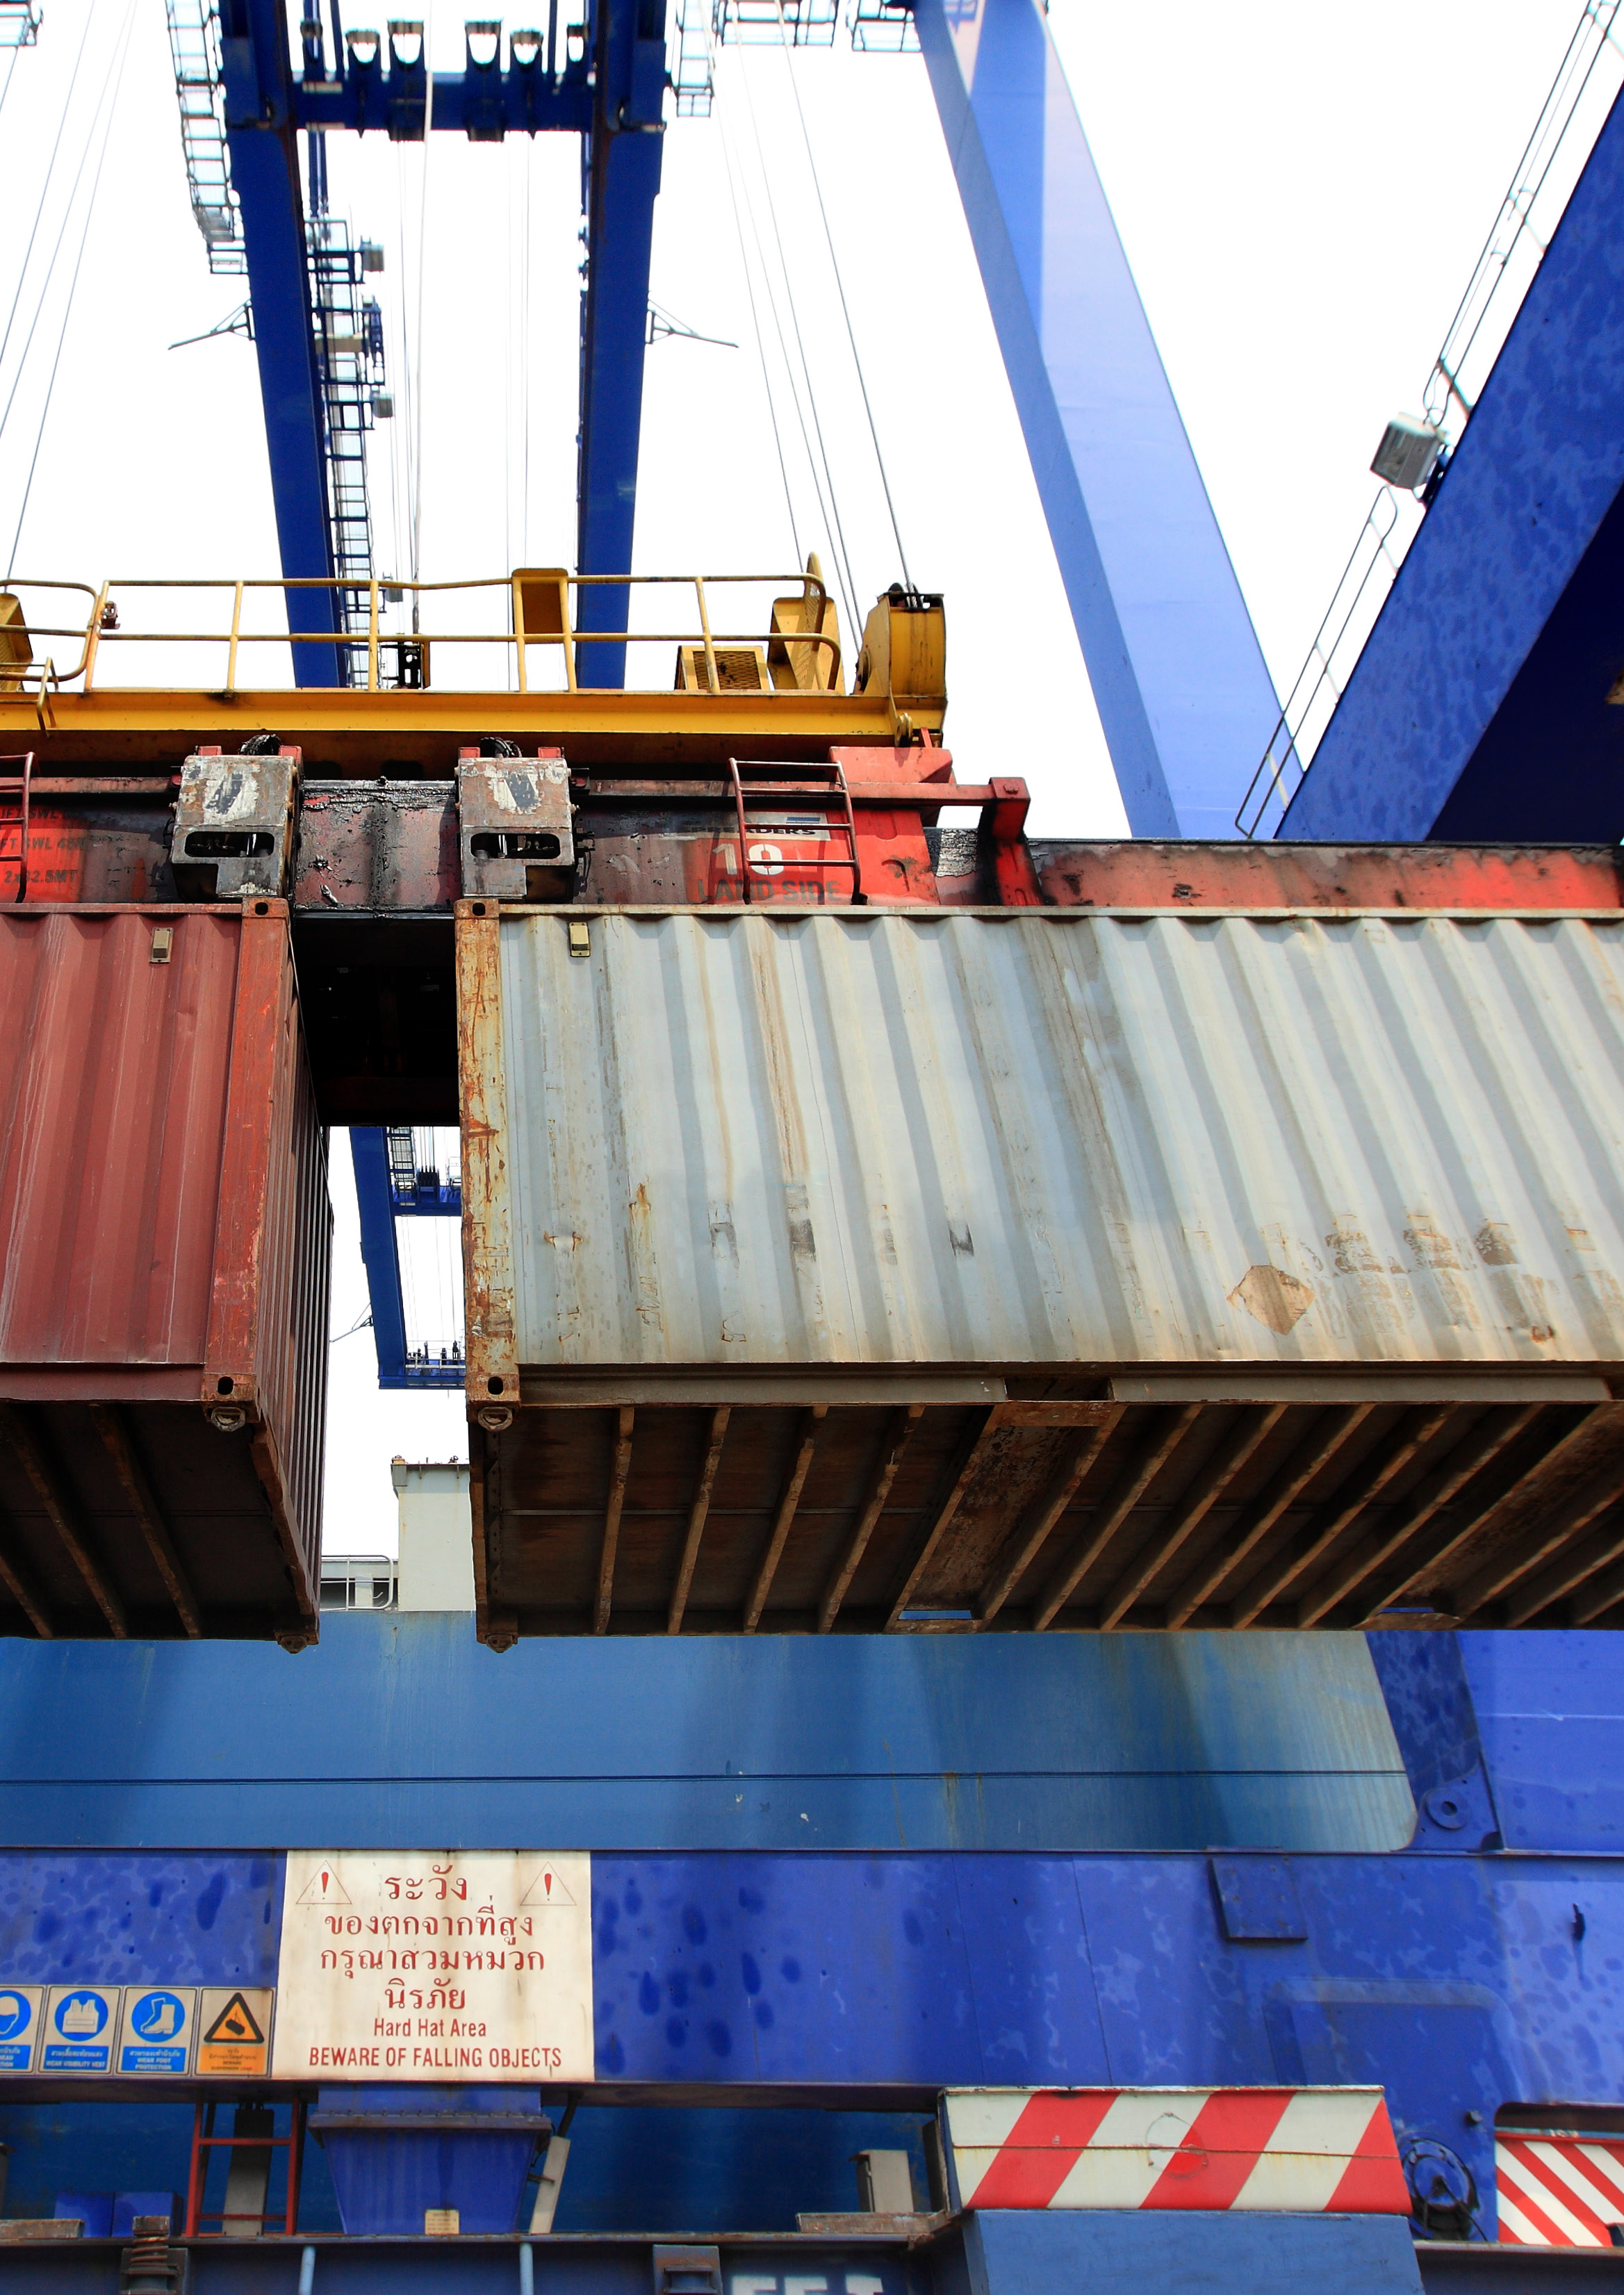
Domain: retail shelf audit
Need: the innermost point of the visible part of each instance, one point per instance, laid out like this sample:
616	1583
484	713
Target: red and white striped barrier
1298	2150
1559	2191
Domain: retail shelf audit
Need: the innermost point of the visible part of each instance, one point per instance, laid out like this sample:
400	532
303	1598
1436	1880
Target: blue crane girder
378	1200
1479	706
621	177
618	115
265	177
1183	692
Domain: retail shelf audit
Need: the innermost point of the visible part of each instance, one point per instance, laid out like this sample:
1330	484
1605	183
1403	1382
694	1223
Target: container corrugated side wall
113	1074
877	1140
295	1283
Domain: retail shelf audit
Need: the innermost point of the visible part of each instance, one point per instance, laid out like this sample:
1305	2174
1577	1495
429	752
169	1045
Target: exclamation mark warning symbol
547	1888
324	1887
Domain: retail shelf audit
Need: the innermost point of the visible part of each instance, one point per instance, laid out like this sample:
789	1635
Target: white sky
1301	190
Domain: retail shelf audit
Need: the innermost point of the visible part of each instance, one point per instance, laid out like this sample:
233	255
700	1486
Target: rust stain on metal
164	1241
1276	1298
492	1364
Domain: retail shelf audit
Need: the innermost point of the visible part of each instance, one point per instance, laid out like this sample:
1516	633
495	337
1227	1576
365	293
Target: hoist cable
400	434
842	556
508	560
840	288
846	594
422	272
524	353
45	188
114	70
11	71
761	349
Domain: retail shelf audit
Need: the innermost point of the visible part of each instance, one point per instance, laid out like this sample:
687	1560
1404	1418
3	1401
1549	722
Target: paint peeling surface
869	1140
151	1919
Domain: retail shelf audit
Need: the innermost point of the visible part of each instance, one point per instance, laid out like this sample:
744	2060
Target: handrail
113	620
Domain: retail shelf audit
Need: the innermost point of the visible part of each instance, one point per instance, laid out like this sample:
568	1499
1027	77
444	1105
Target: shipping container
934	1270
164	1240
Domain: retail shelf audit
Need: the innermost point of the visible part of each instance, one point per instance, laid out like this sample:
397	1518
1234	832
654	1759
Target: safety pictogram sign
157	2030
21	2007
81	2020
234	2030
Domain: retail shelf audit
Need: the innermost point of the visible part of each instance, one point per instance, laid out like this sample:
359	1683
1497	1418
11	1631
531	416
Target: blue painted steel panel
398	1728
1038	2251
1550	1708
388	2175
434	2266
1184	696
199	1918
1460	1983
519	102
1479	706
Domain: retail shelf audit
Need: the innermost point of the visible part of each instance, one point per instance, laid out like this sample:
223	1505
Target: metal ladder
825	781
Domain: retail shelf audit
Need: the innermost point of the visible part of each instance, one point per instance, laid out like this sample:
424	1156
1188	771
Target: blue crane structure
1181	685
1484	701
1182	689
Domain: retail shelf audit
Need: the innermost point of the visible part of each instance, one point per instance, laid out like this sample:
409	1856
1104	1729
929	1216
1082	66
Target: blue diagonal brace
1179	680
368	1153
1481	707
265	177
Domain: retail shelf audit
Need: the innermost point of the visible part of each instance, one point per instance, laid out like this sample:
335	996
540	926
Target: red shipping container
165	1244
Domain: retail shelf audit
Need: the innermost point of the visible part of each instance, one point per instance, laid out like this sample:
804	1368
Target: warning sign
324	1887
234	2030
156	2034
20	2023
549	1888
436	1965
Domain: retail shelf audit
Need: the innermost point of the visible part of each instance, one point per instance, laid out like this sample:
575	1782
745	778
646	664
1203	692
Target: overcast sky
1302	190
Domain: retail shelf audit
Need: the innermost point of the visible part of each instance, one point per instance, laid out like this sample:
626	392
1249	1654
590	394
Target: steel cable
840	290
836	528
114	73
45	188
761	347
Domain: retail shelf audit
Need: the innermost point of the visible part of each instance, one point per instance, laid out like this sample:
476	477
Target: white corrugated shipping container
1346	1169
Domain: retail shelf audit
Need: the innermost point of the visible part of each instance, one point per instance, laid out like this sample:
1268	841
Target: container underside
193	1549
1062	1506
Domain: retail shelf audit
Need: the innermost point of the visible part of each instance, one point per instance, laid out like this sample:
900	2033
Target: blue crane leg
1183	693
265	177
622	167
368	1153
1479	708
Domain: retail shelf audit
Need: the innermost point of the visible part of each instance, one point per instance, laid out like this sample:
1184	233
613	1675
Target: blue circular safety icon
14	2014
157	2016
81	2016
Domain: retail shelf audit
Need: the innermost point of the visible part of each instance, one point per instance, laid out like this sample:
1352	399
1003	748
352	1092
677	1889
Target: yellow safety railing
46	645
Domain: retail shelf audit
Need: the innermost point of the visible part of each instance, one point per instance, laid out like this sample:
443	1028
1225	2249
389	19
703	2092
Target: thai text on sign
434	1964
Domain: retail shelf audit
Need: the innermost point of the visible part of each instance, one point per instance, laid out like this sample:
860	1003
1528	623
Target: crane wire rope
847	593
836	528
523	352
11	71
44	192
422	270
109	96
508	559
788	55
399	430
761	347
